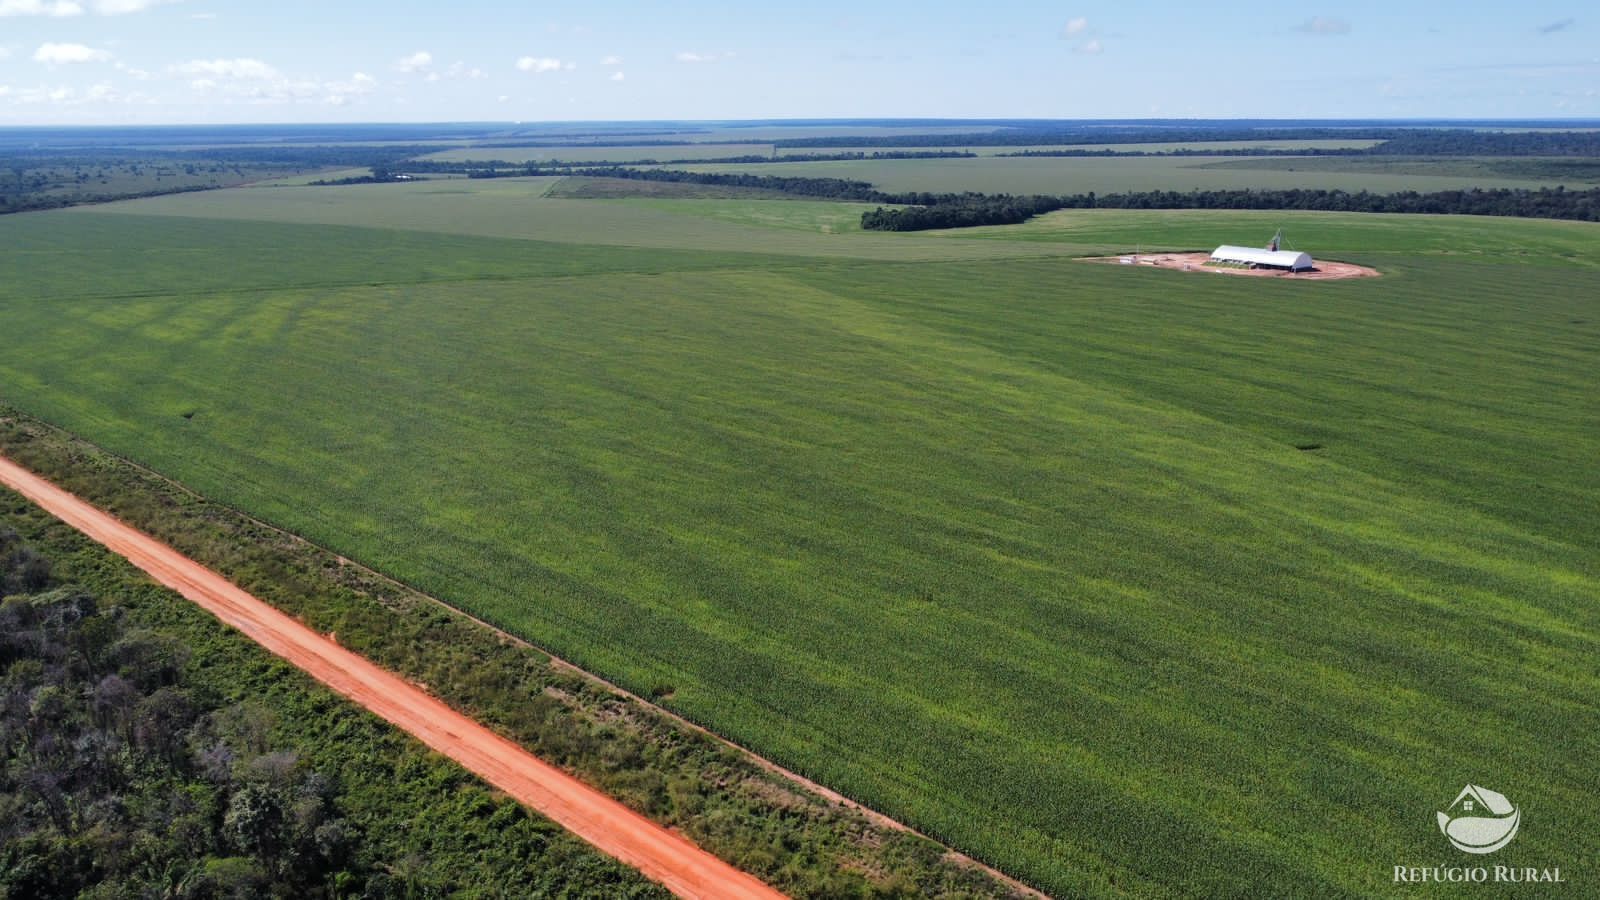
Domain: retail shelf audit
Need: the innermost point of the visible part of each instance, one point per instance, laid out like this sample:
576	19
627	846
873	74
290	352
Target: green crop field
523	208
1074	175
1573	171
1021	550
1537	242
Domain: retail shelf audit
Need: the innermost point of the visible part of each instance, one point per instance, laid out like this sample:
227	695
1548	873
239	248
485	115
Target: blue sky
215	61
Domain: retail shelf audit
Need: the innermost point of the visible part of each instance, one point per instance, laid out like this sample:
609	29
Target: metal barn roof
1278	259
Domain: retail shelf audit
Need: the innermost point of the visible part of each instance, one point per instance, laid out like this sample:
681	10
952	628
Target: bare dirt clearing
1325	270
659	853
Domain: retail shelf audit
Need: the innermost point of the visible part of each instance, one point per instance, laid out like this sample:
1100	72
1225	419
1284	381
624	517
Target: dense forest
829	188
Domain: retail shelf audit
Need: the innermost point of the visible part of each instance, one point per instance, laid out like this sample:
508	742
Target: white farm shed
1267	259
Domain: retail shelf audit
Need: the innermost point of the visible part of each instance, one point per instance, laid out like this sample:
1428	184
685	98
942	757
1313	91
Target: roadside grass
1022	552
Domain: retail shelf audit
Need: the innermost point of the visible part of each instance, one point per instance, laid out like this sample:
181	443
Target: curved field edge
343	804
719	796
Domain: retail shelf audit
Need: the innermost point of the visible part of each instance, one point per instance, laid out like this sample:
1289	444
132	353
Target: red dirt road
659	853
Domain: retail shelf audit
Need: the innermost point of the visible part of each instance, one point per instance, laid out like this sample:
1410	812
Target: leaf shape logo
1480	820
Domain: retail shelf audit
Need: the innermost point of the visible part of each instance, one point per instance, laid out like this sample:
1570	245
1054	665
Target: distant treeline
1457	142
921	211
490	168
828	188
1393	141
1098	135
1194	151
839	157
15	203
960	211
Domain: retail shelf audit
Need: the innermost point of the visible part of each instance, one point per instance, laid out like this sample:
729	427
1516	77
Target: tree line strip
921	211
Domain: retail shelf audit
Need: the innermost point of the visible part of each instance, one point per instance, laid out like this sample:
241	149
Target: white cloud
5	52
257	82
53	8
1075	27
456	71
123	7
69	96
360	83
241	69
611	61
1091	47
618	76
340	93
64	8
691	57
1324	25
540	64
64	54
416	62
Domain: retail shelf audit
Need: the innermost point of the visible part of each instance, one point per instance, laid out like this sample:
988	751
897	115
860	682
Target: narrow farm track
659	853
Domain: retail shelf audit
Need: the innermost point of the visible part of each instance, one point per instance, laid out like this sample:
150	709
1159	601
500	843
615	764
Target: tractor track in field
661	854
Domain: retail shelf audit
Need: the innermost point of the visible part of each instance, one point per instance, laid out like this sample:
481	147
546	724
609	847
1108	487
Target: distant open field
1536	242
520	208
1073	175
1126	581
1574	172
982	150
580	153
521	155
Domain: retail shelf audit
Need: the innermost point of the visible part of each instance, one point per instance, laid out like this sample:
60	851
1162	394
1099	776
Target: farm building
1256	258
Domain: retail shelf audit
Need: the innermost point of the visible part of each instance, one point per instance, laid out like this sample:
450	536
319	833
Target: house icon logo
1480	820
